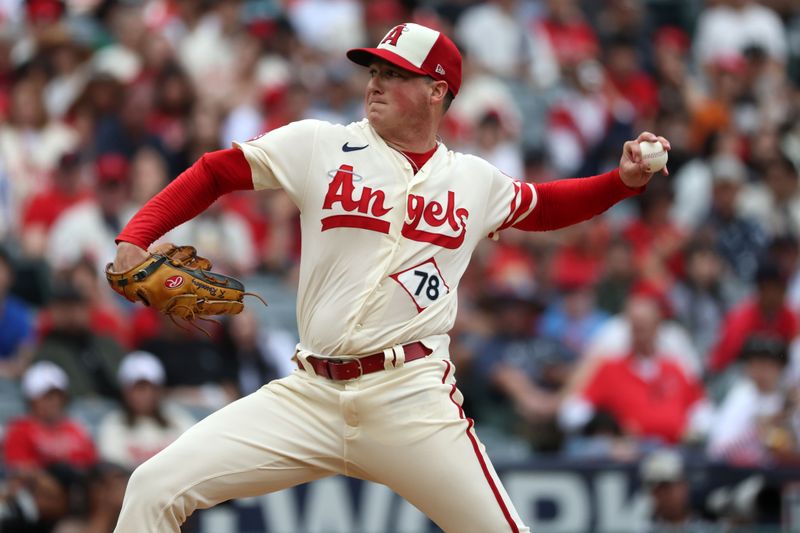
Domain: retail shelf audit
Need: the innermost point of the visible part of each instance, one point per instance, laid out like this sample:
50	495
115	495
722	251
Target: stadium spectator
258	351
31	143
16	323
765	313
569	34
225	238
149	174
104	488
144	424
495	142
665	477
614	338
754	23
67	53
650	396
753	426
90	360
715	113
774	200
331	26
693	183
46	434
517	52
579	120
40	501
579	258
197	373
169	120
573	317
89	228
678	90
634	93
66	189
104	316
740	240
656	240
702	297
618	277
520	373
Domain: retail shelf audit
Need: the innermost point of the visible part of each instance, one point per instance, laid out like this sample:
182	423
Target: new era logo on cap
417	49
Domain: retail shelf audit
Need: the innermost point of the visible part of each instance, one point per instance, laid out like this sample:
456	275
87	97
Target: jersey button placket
412	180
396	237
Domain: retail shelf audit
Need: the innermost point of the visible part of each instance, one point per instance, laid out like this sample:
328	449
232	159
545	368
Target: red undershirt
560	203
418	160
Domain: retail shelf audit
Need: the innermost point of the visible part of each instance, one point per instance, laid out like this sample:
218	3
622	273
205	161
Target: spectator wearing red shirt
39	214
657	242
571	37
46	435
634	92
648	394
105	319
580	257
765	314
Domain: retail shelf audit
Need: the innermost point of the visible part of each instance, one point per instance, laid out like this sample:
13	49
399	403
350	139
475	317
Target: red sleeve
735	328
18	448
214	174
788	328
596	389
565	202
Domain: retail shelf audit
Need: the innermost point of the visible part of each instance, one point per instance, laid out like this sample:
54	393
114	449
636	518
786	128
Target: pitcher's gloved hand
179	283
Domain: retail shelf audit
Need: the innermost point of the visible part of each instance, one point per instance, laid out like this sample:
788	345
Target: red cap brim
366	56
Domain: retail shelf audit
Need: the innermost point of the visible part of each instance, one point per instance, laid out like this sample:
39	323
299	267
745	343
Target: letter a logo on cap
394	34
422	51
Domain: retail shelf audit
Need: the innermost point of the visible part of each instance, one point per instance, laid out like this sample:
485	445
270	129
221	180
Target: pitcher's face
395	97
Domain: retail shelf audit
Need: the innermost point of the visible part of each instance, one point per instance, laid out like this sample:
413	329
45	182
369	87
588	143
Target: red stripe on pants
479	455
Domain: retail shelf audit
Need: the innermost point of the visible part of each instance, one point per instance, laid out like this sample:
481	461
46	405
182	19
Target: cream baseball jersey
383	248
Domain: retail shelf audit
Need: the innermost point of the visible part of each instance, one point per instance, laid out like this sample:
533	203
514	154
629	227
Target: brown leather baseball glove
178	282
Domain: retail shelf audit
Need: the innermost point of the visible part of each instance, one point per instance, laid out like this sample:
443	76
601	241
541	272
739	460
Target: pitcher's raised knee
153	502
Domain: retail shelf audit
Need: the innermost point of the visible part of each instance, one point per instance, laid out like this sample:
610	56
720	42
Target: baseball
653	155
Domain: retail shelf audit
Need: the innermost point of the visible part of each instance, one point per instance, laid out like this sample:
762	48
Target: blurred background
637	372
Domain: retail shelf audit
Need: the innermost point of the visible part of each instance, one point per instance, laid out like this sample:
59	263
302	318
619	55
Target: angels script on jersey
369	208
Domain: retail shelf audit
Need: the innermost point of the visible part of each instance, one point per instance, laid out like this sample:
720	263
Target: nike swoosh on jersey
347	148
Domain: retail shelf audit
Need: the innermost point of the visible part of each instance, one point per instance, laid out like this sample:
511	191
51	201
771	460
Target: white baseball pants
402	427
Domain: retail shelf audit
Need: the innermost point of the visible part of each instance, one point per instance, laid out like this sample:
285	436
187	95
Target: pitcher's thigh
419	442
452	481
258	444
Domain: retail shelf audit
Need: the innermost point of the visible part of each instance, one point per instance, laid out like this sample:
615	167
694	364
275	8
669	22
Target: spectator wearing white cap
45	434
144	424
663	474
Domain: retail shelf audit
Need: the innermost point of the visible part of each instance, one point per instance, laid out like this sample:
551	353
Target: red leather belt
355	367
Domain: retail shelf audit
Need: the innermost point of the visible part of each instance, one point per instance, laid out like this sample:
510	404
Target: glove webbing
140	274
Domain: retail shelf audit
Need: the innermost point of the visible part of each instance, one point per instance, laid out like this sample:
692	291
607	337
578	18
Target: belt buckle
337	362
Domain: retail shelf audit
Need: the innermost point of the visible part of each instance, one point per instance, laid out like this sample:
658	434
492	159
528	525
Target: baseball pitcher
390	218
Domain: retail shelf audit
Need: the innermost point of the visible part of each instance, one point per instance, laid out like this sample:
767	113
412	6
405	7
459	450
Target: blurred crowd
670	321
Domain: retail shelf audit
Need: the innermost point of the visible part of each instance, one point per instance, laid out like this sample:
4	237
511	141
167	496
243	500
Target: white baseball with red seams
653	155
